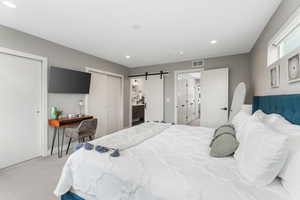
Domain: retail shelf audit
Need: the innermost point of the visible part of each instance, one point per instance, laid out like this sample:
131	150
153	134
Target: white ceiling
151	32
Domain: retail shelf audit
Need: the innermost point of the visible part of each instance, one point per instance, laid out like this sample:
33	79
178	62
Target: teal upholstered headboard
286	105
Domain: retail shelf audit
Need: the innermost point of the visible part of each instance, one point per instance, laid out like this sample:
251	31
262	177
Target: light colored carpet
196	122
32	180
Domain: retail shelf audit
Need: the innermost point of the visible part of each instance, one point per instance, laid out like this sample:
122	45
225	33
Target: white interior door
97	103
20	86
114	104
214	97
154	98
181	101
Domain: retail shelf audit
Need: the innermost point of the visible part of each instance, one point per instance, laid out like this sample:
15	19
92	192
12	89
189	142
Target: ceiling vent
198	63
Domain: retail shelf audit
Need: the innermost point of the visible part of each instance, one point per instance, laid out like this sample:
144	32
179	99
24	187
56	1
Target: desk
63	123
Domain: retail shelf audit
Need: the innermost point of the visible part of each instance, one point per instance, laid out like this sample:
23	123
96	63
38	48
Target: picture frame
293	69
275	76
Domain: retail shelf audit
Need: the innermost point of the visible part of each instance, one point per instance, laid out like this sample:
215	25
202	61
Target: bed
174	164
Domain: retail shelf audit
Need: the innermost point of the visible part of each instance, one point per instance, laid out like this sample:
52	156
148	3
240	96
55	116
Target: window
286	40
290	43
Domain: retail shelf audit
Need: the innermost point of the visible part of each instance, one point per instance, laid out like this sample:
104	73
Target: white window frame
274	44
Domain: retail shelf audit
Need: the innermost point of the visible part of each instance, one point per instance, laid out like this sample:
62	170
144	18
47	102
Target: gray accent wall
61	56
259	55
239	71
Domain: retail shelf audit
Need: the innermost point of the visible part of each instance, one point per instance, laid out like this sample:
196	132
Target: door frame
89	69
175	87
44	94
130	104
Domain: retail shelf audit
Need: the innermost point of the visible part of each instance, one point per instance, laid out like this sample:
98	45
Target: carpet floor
196	122
31	180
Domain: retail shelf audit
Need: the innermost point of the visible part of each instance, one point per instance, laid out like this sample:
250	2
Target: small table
63	123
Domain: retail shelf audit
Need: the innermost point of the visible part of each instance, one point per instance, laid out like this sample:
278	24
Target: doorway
146	99
23	132
188	98
201	97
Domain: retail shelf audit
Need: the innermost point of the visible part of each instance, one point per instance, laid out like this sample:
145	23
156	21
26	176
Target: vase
53	113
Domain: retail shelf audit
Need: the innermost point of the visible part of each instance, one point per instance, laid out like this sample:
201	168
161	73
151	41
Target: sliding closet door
97	101
20	86
154	98
114	104
105	102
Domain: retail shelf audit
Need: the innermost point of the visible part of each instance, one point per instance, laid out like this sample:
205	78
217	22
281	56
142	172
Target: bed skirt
71	196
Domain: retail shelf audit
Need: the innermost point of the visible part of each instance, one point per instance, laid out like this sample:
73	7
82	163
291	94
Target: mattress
174	165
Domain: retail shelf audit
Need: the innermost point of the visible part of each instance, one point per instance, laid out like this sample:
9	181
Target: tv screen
68	81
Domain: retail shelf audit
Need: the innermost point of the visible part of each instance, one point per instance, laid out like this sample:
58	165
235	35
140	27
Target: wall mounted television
68	81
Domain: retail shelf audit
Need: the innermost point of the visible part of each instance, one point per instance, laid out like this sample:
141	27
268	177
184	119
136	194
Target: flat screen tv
68	81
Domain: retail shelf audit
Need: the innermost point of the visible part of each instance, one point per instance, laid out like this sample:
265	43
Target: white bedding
174	165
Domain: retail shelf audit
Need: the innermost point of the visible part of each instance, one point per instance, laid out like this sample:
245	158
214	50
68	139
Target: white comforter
173	165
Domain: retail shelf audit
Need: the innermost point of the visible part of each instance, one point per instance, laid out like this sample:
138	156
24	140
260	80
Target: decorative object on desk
275	76
293	69
71	116
81	104
53	112
58	113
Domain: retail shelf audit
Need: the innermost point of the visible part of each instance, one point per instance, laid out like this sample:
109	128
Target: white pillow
271	119
262	153
239	121
290	176
290	172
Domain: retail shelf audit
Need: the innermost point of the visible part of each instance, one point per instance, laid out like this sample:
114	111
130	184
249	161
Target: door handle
182	105
225	108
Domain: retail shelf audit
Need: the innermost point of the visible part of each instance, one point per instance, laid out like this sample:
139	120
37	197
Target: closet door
20	86
154	98
97	101
114	104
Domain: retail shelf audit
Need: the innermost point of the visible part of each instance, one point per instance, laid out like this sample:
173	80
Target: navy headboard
286	105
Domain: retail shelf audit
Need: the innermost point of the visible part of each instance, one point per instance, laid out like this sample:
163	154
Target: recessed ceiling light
213	41
180	52
9	4
136	26
127	57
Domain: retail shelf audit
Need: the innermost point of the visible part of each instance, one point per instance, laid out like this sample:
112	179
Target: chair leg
68	146
83	139
91	138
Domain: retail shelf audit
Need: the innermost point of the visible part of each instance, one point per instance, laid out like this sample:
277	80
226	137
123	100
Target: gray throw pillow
224	142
